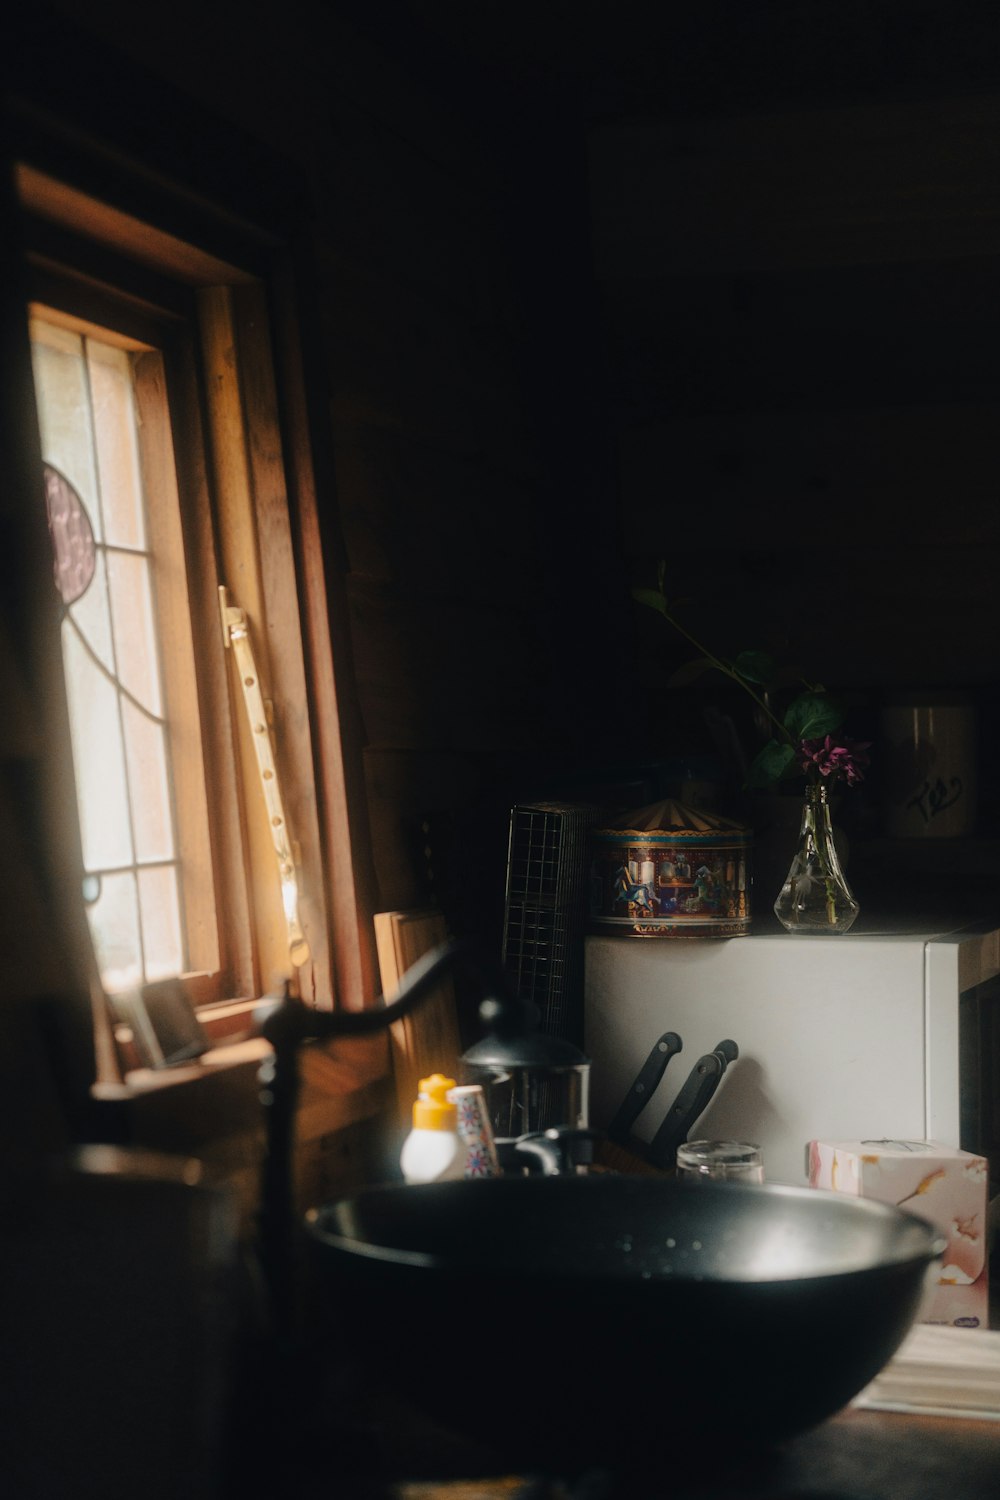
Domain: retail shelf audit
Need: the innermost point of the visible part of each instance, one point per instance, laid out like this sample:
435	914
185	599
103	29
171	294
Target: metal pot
532	1082
528	1095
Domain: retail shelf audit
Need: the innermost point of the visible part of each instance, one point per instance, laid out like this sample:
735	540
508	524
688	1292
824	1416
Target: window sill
195	1105
248	1052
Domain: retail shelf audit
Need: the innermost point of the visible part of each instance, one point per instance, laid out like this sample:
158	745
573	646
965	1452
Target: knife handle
690	1103
642	1090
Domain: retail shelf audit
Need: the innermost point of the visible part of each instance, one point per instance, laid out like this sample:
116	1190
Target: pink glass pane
136	655
91	615
149	789
117	450
159	905
72	537
98	759
114	927
64	412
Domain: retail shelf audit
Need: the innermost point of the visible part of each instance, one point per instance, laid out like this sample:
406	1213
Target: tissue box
941	1183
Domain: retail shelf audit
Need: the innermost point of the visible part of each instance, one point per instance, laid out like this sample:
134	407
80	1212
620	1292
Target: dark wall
797	244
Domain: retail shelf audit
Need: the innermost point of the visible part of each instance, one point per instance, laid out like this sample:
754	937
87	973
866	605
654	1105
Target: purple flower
842	760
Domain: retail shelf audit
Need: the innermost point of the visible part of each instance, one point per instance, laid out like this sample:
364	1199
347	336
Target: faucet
556	1152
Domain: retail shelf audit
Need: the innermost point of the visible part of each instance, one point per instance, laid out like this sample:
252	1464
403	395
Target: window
128	658
167	457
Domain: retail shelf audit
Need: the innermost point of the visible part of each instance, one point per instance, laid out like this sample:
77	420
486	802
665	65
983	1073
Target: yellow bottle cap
432	1110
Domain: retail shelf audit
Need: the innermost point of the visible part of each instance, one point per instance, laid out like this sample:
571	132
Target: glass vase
815	896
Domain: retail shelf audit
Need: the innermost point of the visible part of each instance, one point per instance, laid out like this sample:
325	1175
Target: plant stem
729	672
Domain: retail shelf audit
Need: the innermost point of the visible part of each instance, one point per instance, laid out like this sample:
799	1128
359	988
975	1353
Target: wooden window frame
244	435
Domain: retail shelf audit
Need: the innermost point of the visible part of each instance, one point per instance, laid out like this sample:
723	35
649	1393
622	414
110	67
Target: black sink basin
607	1319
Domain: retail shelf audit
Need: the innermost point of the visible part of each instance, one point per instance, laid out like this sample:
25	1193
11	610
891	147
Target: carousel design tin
671	871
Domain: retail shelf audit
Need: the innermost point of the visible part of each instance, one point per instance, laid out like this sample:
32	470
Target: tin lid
673	817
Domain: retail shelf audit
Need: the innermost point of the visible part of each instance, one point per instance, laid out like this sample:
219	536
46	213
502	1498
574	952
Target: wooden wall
802	310
466	497
781	378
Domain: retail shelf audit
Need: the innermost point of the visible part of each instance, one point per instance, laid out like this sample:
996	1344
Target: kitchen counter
856	1455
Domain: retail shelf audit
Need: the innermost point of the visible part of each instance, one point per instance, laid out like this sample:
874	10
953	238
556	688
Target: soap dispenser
434	1151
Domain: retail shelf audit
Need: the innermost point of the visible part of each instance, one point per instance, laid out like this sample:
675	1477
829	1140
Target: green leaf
810	716
770	764
690	672
652	597
756	666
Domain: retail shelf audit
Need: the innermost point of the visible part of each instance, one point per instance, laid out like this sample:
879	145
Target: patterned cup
475	1129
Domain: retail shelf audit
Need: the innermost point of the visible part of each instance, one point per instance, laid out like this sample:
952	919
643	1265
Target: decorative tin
671	871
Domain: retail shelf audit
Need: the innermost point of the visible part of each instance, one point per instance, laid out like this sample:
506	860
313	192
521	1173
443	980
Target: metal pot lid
512	1041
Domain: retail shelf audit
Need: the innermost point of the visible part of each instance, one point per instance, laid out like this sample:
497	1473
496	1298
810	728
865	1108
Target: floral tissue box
941	1183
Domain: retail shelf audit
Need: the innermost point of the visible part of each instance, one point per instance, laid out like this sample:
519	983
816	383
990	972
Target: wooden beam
873	183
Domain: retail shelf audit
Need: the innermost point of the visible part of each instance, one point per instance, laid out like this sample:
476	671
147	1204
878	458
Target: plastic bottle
434	1151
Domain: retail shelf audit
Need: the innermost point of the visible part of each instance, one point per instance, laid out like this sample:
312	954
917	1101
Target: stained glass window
105	575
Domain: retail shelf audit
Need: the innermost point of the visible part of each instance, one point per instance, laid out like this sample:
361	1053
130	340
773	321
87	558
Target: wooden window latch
236	634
